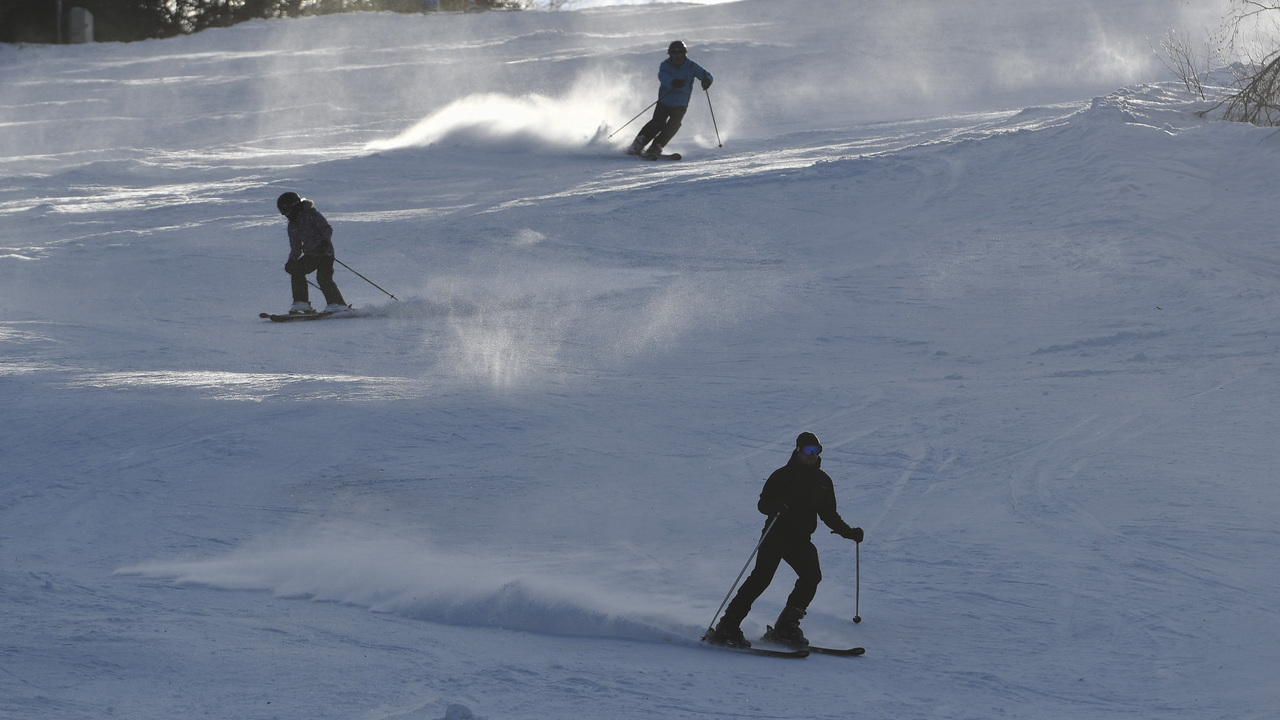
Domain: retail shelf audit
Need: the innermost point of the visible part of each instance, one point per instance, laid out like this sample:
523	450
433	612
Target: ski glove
706	83
854	534
677	83
290	266
777	508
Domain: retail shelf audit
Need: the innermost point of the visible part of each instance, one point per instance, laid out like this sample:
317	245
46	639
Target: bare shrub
1179	56
1246	46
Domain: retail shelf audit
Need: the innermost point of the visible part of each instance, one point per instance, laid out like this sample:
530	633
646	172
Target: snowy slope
1024	295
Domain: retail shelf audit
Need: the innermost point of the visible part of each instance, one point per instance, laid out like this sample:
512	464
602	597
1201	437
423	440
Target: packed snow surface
1023	293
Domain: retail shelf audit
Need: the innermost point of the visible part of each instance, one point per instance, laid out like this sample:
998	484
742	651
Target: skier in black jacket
793	498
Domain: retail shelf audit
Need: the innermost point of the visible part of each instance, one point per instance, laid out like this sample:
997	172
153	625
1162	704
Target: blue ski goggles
811	450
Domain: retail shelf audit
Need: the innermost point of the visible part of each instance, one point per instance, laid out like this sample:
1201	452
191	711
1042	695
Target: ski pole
615	132
655	102
857	581
393	297
713	116
765	534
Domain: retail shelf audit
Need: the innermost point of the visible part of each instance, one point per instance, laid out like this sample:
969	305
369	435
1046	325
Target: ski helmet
677	47
806	439
287	202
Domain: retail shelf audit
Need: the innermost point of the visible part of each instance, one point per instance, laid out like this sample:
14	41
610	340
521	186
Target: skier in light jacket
676	75
310	251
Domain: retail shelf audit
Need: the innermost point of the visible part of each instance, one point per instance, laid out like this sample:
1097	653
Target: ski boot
301	307
787	630
653	153
728	634
637	147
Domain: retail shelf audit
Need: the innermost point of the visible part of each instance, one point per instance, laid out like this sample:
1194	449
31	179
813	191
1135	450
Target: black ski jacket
802	494
309	232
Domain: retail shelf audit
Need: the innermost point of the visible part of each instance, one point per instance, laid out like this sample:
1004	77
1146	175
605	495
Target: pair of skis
796	652
299	317
652	156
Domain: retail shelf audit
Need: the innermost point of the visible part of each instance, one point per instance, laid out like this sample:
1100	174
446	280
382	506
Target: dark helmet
807	439
287	202
677	47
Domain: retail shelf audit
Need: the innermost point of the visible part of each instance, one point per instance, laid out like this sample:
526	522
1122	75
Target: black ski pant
800	554
666	121
322	266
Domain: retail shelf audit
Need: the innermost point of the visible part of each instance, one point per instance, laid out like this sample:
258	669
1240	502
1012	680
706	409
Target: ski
764	652
647	156
847	652
839	652
297	317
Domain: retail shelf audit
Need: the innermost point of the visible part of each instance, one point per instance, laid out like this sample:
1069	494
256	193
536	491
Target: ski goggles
811	450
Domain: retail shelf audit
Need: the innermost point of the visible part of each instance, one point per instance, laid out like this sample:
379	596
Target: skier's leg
324	278
669	129
298	282
729	630
803	558
651	128
757	582
659	121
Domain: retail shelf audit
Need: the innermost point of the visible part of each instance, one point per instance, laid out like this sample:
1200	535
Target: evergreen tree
36	21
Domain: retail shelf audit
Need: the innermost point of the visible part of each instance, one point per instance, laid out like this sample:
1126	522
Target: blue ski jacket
668	74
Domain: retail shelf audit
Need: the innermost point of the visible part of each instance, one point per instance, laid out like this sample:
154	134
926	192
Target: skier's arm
702	74
295	248
841	528
772	500
827	511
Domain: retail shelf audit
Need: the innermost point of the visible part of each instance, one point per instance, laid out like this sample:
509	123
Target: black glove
706	83
677	83
290	266
854	534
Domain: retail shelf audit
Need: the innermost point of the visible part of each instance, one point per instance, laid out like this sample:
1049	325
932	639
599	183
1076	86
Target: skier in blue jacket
676	74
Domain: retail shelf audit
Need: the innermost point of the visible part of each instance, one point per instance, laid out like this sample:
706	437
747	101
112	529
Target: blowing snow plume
409	577
526	122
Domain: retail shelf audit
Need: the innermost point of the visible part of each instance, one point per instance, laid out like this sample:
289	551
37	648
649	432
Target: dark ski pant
322	266
664	125
800	554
